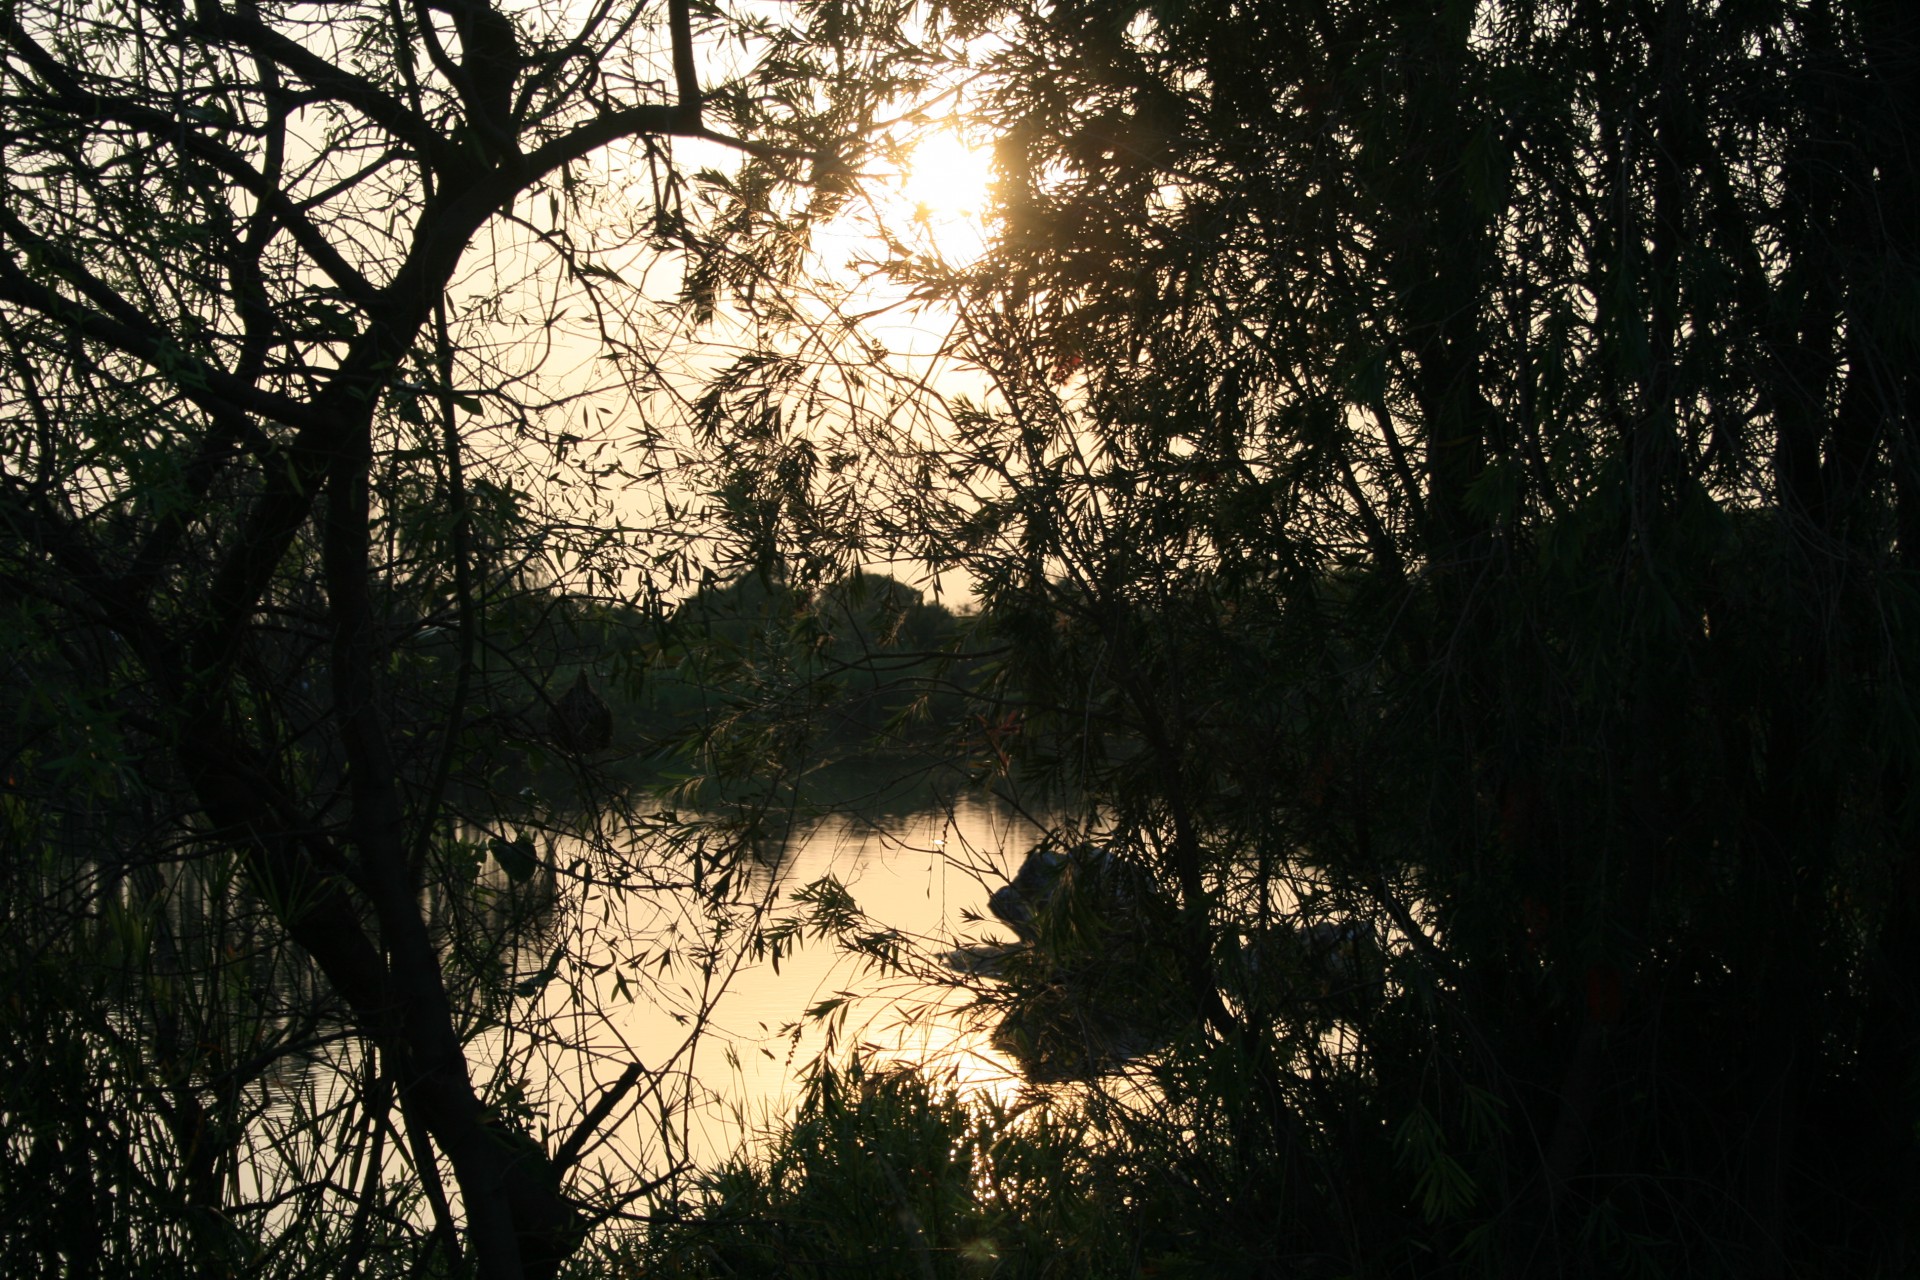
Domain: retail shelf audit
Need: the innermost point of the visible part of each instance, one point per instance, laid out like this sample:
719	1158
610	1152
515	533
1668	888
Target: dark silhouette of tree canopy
1454	467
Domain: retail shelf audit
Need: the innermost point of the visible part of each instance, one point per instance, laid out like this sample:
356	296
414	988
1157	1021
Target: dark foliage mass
1453	468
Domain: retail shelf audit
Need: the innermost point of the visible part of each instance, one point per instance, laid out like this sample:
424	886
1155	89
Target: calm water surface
724	1046
919	875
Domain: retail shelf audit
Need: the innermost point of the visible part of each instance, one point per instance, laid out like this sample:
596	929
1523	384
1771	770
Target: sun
945	178
925	207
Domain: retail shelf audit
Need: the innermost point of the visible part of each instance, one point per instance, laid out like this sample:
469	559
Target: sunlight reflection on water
916	877
919	875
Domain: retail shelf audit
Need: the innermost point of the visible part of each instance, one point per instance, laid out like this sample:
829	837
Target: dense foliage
1451	468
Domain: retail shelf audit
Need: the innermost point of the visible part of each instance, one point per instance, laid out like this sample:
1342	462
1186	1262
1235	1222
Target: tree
1453	469
275	476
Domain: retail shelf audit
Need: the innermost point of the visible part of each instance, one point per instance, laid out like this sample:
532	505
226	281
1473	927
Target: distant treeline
752	665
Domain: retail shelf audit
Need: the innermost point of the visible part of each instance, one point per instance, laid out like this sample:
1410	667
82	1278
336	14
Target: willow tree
1454	467
275	284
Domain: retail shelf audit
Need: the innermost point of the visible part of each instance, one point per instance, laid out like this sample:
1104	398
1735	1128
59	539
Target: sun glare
946	178
928	206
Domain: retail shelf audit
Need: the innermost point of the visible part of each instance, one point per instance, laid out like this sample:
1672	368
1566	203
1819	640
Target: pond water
608	978
641	982
631	991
